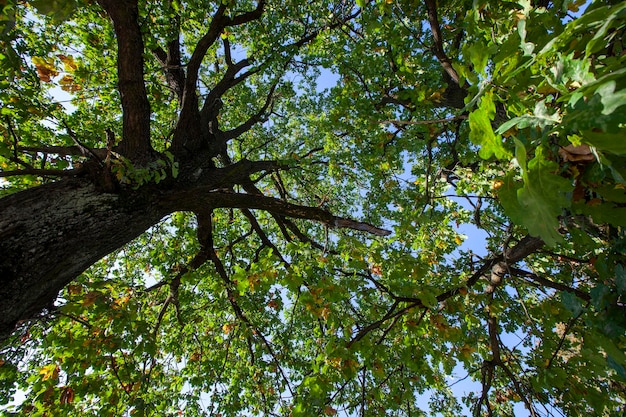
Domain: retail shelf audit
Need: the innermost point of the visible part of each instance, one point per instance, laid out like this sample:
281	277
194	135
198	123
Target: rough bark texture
130	66
51	234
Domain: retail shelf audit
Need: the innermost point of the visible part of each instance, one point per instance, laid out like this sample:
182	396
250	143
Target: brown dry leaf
67	396
581	153
90	298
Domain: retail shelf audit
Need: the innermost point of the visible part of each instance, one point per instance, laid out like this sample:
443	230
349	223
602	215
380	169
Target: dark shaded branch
566	331
208	180
524	248
135	105
171	63
85	151
188	135
219	22
273	205
204	217
496	360
422	122
550	284
301	236
15	157
172	298
227	81
259	116
264	239
391	313
431	6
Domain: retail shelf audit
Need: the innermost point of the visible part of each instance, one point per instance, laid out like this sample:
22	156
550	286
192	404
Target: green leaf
620	278
527	47
59	10
541	199
618	367
572	303
481	132
478	54
541	118
603	213
599	296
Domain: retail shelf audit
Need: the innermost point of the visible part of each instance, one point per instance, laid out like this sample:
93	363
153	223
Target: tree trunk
52	233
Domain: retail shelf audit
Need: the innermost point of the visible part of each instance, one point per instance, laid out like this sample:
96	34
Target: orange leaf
376	270
67	395
74	289
45	69
68	62
329	411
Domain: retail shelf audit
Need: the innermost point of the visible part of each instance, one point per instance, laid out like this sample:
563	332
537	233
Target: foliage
506	262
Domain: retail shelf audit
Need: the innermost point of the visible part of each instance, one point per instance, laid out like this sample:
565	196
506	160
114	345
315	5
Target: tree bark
50	234
135	142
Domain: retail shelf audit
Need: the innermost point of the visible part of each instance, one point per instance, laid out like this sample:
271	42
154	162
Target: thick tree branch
135	105
171	63
52	233
211	104
192	200
191	133
232	174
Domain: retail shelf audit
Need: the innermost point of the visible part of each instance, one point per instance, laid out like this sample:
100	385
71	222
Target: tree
183	238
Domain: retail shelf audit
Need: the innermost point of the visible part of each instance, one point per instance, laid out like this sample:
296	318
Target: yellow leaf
497	184
334	362
50	371
466	351
68	84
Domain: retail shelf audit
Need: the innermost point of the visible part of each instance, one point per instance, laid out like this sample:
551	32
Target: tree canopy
287	208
